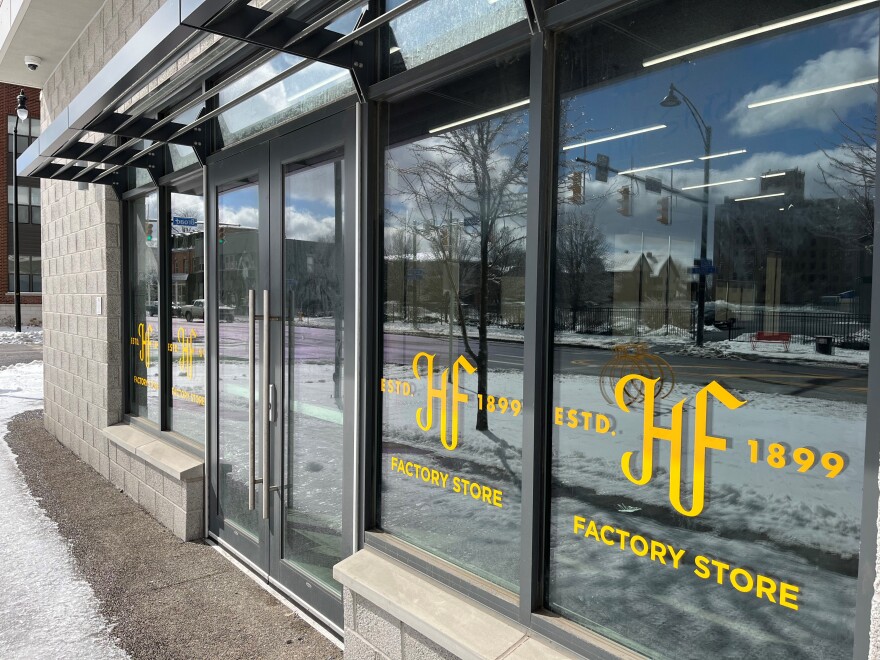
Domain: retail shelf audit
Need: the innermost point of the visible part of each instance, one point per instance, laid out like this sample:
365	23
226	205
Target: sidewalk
162	597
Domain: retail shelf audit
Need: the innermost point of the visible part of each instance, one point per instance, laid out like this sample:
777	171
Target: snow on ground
29	335
797	351
46	609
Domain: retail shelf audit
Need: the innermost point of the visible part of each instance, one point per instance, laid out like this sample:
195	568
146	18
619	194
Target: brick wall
8	104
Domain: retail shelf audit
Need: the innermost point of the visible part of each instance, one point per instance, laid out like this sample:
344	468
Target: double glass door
281	492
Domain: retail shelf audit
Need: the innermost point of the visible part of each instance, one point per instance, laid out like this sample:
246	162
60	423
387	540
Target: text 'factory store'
484	328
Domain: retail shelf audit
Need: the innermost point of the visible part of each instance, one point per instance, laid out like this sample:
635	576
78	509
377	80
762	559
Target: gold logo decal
425	415
703	442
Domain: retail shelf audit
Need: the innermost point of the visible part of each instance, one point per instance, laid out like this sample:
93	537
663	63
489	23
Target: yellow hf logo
703	442
146	343
425	415
187	350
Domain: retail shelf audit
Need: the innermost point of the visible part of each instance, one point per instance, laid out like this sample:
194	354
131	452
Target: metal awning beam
145	128
276	31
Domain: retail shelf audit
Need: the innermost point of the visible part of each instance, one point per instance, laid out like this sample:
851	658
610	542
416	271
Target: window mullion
538	318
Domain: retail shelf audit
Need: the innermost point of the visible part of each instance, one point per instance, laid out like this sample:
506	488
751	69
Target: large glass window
713	234
143	284
455	197
187	341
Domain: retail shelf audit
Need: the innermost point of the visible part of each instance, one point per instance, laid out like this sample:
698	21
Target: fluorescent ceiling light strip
657	167
615	137
770	176
710	185
746	199
482	115
745	34
750	178
726	153
815	92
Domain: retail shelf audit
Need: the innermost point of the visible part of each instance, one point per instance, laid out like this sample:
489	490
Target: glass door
282	482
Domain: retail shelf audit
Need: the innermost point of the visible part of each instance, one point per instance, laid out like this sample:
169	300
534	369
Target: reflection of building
187	267
646	277
785	250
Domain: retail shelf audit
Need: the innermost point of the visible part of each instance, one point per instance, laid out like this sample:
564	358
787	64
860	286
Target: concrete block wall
81	261
176	503
373	634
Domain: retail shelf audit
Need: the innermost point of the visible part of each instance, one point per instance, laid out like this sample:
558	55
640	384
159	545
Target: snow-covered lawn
46	609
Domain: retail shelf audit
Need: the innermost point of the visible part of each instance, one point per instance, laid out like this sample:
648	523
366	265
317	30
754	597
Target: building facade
30	285
316	287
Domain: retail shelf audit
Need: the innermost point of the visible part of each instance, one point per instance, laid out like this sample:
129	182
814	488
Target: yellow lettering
592	531
702	564
788	595
676	555
602	534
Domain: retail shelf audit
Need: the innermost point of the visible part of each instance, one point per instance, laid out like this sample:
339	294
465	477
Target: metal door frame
266	160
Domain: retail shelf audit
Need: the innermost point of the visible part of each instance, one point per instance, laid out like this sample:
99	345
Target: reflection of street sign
415	274
601	167
703	270
178	221
653	184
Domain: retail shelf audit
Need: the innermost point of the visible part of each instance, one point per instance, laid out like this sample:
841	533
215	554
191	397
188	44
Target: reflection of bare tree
462	187
581	250
850	173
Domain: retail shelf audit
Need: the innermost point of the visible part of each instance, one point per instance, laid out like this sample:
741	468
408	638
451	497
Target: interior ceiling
45	28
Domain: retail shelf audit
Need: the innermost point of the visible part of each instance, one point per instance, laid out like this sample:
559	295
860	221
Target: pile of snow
9	336
46	609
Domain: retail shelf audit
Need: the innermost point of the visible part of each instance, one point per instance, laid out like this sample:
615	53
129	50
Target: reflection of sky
240	207
720	84
310	204
403	164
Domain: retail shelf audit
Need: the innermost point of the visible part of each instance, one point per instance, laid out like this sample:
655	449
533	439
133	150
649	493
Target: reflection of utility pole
668	265
672	100
415	315
641	278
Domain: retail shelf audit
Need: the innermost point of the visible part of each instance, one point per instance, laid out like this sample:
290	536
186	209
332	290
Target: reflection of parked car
197	311
152	308
176	309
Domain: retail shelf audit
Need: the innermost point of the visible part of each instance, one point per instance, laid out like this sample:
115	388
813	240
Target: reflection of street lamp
672	100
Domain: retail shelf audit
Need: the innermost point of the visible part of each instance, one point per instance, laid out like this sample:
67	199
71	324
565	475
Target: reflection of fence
848	330
677	321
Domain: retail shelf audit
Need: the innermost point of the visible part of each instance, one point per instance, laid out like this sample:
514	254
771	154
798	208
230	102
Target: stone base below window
167	482
394	613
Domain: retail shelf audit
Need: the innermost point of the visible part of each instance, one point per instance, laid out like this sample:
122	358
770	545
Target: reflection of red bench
783	338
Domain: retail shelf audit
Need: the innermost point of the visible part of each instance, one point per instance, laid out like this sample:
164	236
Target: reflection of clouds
831	68
303	226
245	216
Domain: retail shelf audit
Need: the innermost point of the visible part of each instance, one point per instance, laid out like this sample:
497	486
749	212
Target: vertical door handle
265	400
252	417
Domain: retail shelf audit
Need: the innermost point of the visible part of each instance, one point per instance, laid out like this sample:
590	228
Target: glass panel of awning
307	87
437	27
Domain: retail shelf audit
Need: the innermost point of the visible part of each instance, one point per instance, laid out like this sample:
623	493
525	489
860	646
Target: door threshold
279	592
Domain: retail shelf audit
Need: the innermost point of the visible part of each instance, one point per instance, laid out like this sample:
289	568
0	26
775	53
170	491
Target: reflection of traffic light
577	190
222	234
624	205
149	231
663	210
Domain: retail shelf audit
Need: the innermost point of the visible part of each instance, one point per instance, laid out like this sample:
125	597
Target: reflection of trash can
824	344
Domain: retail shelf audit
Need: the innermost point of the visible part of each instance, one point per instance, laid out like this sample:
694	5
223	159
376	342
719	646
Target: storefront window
713	236
441	26
187	342
455	203
143	283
